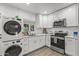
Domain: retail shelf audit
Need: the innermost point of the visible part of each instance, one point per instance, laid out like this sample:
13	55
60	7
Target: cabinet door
37	42
0	24
48	40
25	45
71	14
50	21
40	21
45	21
33	43
77	47
0	48
70	46
42	41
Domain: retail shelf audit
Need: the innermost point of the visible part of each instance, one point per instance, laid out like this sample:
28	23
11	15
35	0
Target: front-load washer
12	29
12	48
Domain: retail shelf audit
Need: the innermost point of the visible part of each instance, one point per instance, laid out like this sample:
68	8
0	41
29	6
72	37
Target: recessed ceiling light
28	3
45	12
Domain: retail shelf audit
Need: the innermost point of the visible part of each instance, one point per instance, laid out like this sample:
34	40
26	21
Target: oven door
53	43
61	43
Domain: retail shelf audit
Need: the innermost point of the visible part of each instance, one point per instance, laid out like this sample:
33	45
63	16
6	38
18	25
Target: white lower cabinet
48	40
0	24
41	41
36	42
70	46
0	48
33	43
25	45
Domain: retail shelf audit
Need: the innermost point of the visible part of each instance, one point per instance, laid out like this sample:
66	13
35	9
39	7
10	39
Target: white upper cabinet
44	22
50	20
71	14
40	21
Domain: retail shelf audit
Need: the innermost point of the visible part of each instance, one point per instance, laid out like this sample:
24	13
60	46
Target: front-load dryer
12	29
12	48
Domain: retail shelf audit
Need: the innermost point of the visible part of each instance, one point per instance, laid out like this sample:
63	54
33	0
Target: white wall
10	11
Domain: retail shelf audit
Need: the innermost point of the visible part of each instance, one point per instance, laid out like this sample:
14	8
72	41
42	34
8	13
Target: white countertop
36	35
72	37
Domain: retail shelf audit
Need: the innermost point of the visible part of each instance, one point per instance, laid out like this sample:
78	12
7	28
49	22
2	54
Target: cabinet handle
0	37
6	44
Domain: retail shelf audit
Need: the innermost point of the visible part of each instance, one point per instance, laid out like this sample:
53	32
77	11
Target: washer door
14	50
12	27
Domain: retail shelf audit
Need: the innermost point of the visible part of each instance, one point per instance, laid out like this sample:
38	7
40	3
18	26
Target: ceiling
40	8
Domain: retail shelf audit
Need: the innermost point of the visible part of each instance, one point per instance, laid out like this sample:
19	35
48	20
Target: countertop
36	35
72	37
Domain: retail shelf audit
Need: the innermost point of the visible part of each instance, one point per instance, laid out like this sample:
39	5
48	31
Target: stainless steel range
58	42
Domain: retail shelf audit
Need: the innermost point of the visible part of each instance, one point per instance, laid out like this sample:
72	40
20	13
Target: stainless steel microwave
60	23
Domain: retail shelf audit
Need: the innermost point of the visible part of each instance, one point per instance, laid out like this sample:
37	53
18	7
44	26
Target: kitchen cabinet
0	47
25	45
0	24
33	43
50	21
41	41
45	21
36	42
77	47
42	21
71	15
40	25
70	46
48	40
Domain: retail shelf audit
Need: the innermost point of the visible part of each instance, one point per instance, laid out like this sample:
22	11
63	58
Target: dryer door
13	50
12	27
